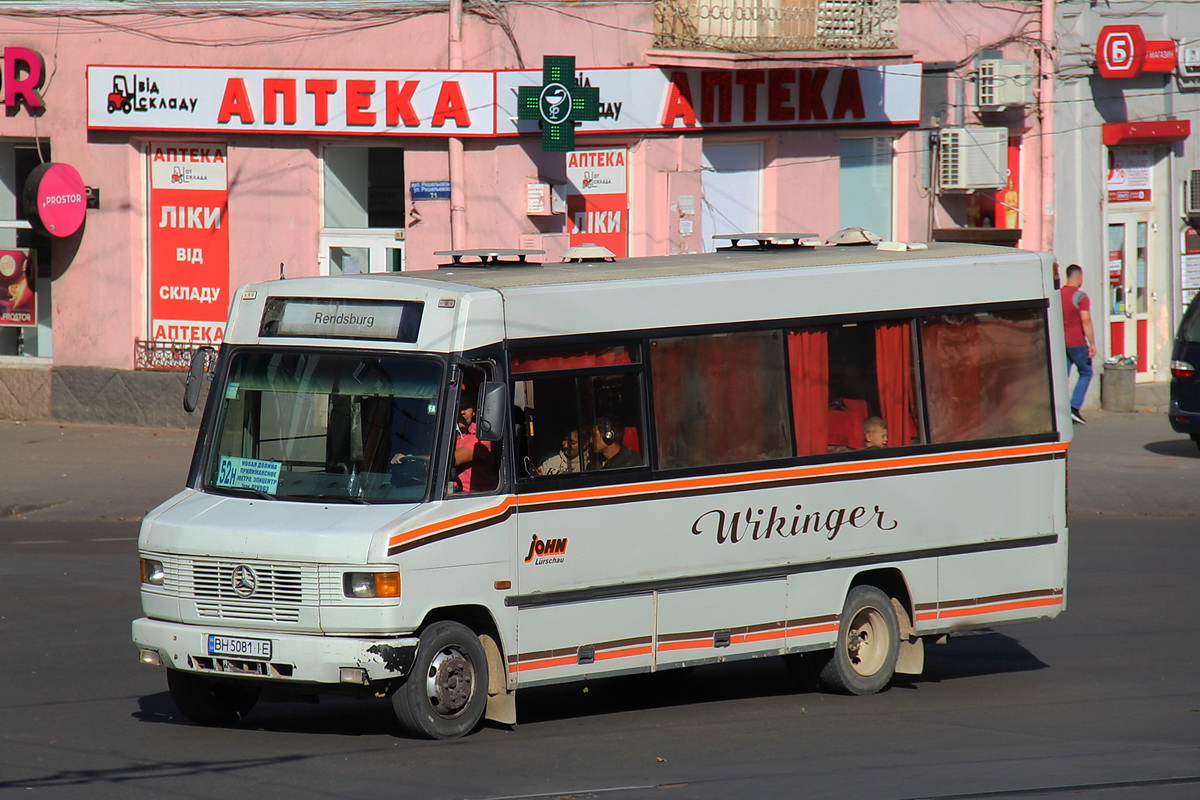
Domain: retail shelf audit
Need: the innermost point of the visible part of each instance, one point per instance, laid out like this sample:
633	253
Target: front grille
273	584
270	592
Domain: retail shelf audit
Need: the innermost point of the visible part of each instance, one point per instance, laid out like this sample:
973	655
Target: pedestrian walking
1080	337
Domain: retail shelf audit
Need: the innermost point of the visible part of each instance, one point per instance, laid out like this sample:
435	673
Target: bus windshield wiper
249	491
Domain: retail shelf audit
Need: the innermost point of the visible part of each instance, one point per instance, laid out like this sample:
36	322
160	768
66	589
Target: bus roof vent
588	253
854	235
489	257
764	241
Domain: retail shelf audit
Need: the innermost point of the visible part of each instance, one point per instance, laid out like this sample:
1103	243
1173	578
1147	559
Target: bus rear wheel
211	701
445	695
864	659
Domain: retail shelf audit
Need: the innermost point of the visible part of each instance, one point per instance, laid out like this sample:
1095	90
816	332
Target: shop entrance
1128	292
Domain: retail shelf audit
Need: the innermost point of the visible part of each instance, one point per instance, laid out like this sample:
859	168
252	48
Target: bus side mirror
196	373
493	411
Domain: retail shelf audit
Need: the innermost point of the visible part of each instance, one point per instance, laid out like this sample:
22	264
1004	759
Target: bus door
579	538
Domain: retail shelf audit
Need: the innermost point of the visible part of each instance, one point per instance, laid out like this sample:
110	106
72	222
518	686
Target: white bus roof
523	301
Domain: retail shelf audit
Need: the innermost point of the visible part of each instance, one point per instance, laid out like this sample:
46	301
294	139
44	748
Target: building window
364	207
25	274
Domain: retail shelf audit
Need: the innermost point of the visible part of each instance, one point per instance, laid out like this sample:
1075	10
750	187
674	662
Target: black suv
1185	383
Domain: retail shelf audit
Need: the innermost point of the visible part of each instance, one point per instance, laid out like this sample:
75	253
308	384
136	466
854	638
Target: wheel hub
451	682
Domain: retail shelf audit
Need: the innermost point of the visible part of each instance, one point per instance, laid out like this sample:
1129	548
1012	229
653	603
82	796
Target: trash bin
1117	385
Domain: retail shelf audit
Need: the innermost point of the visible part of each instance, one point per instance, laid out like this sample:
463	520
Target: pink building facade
219	147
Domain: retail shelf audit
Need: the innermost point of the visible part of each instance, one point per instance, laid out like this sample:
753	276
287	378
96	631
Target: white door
731	189
353	252
1129	291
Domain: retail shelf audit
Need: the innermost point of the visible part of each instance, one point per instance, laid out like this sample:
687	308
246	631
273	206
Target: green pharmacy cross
559	103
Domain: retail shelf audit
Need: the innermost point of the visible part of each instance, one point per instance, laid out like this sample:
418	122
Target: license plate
238	647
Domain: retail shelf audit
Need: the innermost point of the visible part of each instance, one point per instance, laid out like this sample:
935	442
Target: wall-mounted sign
18	307
55	199
22	78
1122	51
1130	175
429	190
442	103
597	199
189	241
1190	278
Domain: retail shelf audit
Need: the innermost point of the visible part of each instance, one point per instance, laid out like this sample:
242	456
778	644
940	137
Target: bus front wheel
211	701
445	695
868	644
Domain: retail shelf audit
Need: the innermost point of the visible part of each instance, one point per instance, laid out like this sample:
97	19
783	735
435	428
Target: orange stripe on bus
692	645
766	476
626	653
995	608
453	522
809	630
545	663
747	479
764	636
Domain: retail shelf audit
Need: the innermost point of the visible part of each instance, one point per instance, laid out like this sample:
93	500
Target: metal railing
161	356
776	25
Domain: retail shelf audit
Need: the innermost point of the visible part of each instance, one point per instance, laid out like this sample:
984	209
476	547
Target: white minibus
443	487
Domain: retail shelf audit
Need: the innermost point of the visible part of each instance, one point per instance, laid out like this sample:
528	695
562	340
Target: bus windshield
327	427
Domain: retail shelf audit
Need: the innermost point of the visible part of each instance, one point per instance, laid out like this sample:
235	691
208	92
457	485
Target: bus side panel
712	624
457	553
989	587
580	640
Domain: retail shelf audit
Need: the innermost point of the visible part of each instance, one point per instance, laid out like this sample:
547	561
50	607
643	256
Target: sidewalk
1120	464
57	472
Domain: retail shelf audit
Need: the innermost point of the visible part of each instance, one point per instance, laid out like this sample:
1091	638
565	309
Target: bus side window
987	375
853	387
702	416
582	410
474	466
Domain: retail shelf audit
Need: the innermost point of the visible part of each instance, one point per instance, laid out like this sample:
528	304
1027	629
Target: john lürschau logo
546	551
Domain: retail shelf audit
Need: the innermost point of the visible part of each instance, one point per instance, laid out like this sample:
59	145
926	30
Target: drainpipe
1044	210
454	144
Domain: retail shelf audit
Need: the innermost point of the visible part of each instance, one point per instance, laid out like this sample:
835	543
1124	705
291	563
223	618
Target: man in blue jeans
1080	338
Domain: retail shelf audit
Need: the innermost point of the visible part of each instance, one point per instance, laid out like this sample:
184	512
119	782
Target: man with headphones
606	444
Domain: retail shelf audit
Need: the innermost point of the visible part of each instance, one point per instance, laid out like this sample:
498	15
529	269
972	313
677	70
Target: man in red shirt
1080	338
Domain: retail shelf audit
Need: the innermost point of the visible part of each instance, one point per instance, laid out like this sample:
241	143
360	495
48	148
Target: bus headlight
371	584
152	571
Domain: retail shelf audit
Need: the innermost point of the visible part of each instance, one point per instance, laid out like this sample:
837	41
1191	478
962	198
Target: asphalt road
1102	702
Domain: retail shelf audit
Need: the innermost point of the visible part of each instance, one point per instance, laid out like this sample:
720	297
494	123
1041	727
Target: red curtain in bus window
735	436
808	361
580	359
950	351
894	368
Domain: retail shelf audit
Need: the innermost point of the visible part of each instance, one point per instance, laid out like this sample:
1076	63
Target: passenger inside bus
568	459
606	442
875	433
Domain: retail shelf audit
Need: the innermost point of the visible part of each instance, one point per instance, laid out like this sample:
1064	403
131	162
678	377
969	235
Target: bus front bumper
237	652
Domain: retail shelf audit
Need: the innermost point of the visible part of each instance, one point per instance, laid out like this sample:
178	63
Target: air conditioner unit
972	158
1191	194
1001	84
